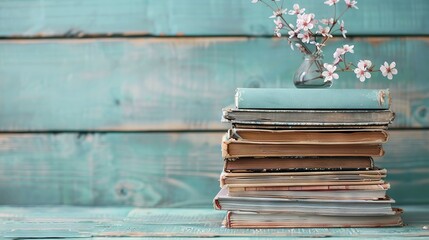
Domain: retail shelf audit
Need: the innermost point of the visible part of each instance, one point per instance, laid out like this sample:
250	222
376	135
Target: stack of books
304	158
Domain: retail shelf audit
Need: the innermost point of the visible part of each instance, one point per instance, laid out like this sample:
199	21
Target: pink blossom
279	23
365	64
351	4
329	74
279	12
331	2
337	60
339	52
292	34
362	70
343	31
305	21
305	37
296	10
348	48
388	70
329	21
324	31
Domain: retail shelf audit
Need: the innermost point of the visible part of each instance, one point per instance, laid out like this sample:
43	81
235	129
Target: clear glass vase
309	73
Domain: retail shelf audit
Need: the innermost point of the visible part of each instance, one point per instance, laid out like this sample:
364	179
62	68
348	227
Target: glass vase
309	73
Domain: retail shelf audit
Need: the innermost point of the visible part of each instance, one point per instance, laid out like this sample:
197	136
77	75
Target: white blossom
305	37
296	10
255	1
351	4
348	48
329	74
324	31
343	31
331	2
329	21
362	74
338	53
362	70
279	23
305	21
337	60
388	70
365	64
279	12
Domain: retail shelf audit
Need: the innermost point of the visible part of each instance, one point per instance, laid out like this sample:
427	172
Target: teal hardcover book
284	98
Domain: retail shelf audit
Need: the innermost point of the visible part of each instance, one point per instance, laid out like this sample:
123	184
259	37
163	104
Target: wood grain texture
176	84
69	18
157	169
121	223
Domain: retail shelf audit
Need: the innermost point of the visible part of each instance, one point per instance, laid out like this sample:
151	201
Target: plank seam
143	35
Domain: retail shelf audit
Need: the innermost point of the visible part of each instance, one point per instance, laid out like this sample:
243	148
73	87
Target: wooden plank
157	169
174	170
105	223
44	18
176	84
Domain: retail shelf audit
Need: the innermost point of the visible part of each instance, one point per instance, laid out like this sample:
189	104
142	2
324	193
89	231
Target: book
278	164
331	194
232	148
308	118
348	207
384	186
332	136
240	219
289	98
302	178
307	127
363	192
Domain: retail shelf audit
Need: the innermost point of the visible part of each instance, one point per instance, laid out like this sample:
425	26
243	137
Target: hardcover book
363	192
286	98
348	207
332	136
302	178
242	219
232	148
278	164
309	118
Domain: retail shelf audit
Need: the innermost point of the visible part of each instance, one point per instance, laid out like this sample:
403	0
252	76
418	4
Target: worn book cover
287	164
291	98
232	148
364	192
312	118
304	136
242	219
344	207
308	126
302	178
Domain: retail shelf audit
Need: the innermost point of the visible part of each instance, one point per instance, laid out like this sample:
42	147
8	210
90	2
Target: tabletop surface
125	222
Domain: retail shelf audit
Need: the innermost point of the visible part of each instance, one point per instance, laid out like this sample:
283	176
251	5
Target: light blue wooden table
108	222
114	106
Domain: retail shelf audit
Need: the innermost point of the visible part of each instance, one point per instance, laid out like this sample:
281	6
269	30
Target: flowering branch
303	36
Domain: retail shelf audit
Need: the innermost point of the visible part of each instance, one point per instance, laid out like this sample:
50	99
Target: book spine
309	118
216	204
225	153
260	98
227	221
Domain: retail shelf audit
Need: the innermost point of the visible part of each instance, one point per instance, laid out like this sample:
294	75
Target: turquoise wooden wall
106	102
